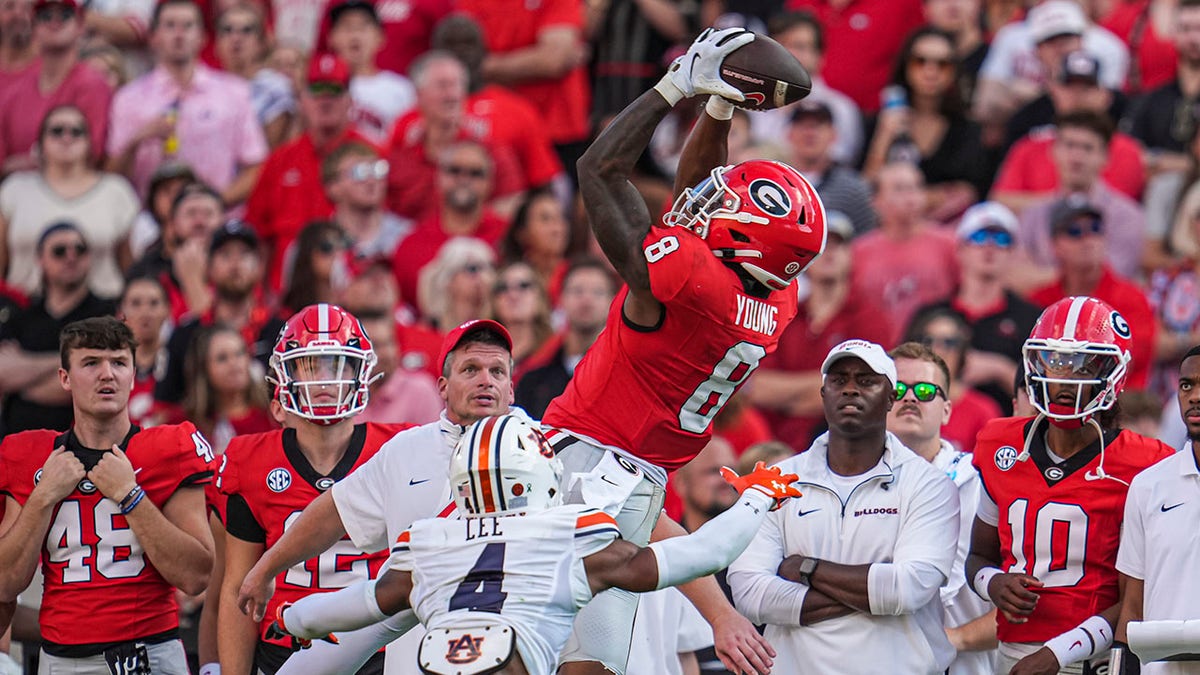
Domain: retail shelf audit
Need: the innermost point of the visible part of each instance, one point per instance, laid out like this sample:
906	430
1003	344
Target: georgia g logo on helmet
770	197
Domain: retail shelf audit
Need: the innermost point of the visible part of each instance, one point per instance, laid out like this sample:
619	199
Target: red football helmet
1077	341
759	214
322	364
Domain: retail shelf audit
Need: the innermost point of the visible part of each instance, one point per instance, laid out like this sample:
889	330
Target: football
767	73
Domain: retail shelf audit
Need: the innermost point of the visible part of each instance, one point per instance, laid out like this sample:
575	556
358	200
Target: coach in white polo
847	576
1160	547
405	481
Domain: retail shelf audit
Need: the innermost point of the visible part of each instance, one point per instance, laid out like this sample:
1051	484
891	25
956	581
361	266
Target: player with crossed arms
499	589
706	298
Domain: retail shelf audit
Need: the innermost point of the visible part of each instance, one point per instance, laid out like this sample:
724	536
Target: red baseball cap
47	3
328	69
456	336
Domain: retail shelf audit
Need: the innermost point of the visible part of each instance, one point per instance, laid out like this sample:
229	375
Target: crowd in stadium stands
202	169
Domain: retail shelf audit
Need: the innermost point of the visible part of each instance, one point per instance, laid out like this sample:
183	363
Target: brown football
767	73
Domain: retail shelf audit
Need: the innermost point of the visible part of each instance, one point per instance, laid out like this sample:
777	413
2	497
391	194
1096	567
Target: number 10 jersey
654	391
1058	522
525	572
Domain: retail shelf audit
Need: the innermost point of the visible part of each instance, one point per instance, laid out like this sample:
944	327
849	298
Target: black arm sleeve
240	522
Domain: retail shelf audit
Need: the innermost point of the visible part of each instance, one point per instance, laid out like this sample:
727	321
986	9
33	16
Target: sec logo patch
1006	457
279	479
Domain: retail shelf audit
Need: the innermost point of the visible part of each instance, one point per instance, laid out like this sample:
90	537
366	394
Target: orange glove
770	481
278	629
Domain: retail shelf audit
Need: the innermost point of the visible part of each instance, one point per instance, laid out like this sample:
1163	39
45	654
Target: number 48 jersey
1059	522
520	571
100	586
654	392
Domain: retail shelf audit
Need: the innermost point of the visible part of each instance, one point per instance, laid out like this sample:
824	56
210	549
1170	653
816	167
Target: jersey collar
291	448
90	456
1054	473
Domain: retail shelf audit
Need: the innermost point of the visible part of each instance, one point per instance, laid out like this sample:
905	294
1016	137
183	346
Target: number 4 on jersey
481	590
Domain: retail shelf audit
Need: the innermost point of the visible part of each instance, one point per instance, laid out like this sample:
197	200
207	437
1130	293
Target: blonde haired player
498	590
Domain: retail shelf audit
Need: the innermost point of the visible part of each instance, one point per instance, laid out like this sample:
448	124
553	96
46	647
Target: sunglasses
1078	230
502	288
326	89
1000	238
365	170
949	343
53	13
924	391
230	29
60	251
61	131
922	61
458	171
328	246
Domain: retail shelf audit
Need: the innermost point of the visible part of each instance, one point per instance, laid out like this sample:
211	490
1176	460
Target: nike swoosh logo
805	513
1164	508
610	482
692	65
412	481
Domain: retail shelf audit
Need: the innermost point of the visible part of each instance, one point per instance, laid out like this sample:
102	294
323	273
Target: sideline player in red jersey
1044	544
321	367
706	298
114	513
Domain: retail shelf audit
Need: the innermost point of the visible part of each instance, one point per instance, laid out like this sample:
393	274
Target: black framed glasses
247	29
924	391
51	13
63	130
60	251
524	285
459	171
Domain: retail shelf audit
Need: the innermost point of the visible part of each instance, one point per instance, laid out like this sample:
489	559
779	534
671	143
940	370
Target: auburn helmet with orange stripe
503	465
1082	347
321	365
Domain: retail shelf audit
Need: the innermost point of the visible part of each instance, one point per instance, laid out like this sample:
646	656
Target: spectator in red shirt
1147	28
907	263
1080	150
538	51
289	192
1029	173
464	181
1078	237
407	27
225	396
56	78
787	387
16	39
397	394
508	123
863	38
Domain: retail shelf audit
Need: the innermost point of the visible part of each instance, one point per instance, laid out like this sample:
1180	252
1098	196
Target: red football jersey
273	478
1056	523
654	392
100	587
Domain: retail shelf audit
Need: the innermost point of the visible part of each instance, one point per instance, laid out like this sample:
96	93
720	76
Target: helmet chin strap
1098	473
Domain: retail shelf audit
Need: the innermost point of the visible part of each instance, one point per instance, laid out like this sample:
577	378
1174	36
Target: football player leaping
707	297
1044	544
498	590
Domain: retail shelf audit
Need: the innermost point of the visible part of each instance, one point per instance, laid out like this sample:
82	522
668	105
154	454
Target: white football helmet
504	465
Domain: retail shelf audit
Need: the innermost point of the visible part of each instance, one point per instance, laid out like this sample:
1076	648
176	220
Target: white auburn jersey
523	571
